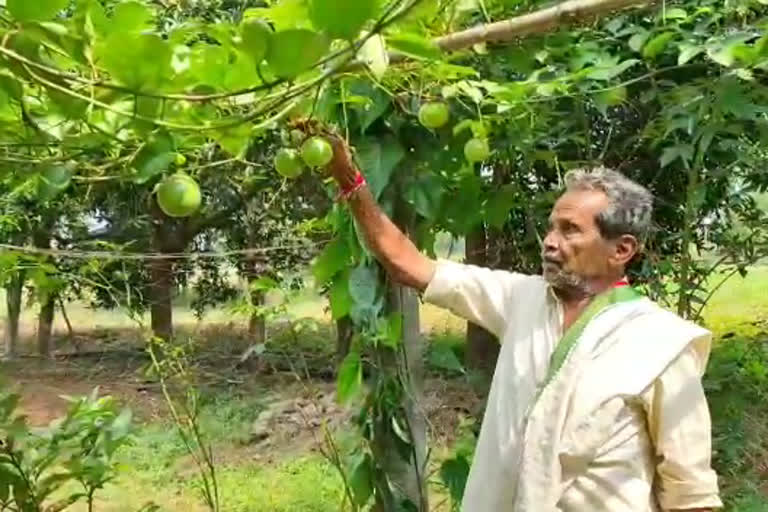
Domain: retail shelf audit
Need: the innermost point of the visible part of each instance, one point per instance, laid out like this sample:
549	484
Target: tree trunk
161	296
168	237
345	329
45	325
408	476
684	278
42	240
13	295
257	325
482	346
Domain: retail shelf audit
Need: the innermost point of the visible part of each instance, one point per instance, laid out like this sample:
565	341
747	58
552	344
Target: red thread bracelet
359	183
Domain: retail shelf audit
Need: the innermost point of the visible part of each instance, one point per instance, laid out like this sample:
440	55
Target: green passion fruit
288	163
476	150
316	152
434	115
179	195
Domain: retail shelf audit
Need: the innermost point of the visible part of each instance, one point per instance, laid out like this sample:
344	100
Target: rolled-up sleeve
680	427
480	295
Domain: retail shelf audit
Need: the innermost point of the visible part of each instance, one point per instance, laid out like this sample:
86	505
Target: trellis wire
123	255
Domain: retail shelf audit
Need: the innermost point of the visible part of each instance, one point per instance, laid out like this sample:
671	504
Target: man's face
575	254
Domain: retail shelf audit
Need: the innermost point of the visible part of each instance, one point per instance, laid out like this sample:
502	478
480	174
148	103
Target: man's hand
342	168
394	250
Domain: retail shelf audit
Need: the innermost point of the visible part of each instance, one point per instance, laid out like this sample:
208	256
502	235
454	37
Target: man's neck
575	300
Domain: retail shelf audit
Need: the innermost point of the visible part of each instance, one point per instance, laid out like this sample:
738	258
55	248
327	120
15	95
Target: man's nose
550	242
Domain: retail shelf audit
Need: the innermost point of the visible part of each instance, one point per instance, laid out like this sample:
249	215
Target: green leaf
210	64
414	46
376	104
52	181
5	485
637	41
342	19
94	18
154	158
256	36
393	327
291	52
610	98
363	285
131	17
657	45
734	97
672	153
263	284
454	473
35	10
283	15
675	13
726	55
72	108
378	158
234	140
498	207
687	52
139	61
699	196
425	194
607	73
350	378
122	424
10	85
374	54
442	356
333	259
361	479
339	297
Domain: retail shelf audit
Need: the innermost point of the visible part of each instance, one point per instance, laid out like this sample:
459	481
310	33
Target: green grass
155	467
739	303
737	390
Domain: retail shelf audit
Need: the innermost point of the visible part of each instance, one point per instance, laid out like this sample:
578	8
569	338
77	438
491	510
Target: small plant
172	366
39	465
454	470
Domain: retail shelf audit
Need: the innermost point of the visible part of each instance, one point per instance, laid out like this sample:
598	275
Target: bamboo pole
537	22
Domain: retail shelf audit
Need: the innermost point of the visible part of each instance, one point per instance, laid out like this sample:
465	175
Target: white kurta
657	453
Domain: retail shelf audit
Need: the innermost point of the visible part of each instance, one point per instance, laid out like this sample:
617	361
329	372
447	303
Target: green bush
39	464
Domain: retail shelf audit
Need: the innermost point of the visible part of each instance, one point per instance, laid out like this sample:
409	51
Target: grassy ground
291	476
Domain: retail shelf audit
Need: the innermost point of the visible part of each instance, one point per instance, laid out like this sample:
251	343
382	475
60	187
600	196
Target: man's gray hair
630	204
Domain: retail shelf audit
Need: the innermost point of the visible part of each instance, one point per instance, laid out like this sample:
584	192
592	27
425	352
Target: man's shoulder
662	318
498	274
657	328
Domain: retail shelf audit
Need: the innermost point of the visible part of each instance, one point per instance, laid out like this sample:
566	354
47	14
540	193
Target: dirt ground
296	409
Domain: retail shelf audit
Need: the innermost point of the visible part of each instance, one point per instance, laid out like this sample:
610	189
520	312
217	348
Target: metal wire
122	255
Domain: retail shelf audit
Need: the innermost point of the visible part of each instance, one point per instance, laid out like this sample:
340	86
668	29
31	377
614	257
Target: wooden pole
537	22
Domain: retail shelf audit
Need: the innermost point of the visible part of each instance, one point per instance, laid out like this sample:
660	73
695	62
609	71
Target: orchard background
168	236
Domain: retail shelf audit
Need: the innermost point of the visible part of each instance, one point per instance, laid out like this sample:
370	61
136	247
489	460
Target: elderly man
596	402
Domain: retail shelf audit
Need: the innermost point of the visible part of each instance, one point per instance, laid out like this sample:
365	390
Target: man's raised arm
394	250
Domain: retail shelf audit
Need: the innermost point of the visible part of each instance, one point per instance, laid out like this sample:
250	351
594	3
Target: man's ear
626	247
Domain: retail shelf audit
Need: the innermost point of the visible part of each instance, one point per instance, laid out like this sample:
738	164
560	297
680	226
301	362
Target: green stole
567	343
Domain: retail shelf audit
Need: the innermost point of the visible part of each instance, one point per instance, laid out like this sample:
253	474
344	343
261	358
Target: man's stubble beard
564	281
